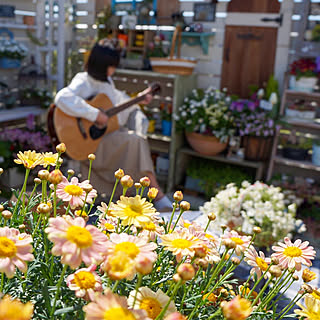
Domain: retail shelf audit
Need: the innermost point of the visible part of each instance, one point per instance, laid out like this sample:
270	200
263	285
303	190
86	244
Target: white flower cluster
253	205
12	49
206	112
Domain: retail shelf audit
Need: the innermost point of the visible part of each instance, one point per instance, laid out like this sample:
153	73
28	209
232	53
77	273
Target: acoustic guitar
80	135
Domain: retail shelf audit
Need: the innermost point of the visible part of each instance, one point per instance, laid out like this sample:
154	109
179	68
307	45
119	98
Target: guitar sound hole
96	133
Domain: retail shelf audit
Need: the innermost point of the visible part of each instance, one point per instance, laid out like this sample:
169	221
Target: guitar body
80	143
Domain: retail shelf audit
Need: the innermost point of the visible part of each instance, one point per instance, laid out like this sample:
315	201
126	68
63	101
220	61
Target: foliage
304	67
206	112
12	49
157	267
316	33
42	96
215	177
166	111
252	205
103	22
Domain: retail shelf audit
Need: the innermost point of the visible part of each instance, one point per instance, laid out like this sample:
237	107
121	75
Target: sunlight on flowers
14	309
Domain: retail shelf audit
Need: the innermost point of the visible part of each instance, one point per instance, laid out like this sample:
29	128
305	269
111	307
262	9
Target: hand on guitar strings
102	120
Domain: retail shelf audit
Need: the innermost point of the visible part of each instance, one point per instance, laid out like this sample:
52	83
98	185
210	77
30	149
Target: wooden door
249	54
249	45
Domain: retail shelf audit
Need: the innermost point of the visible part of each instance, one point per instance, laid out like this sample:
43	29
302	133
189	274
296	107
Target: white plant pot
306	84
301	115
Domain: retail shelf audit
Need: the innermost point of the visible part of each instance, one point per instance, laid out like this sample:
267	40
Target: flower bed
128	263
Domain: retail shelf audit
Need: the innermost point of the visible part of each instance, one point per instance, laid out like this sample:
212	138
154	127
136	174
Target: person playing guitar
119	149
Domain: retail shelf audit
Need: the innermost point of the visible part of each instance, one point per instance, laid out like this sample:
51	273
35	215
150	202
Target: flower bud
185	205
144	265
203	263
1	171
22	227
186	271
237	308
126	181
175	316
306	288
275	260
152	193
145	182
70	172
1	207
91	157
87	188
229	243
60	161
275	271
37	181
295	277
308	275
176	277
6	214
178	196
43	208
137	185
61	148
212	216
55	176
235	261
43	174
200	252
256	230
223	227
119	174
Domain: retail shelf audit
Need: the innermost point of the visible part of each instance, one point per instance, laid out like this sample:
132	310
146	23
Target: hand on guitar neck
102	120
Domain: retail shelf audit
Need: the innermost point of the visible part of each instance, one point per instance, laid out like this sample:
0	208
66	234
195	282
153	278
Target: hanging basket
174	65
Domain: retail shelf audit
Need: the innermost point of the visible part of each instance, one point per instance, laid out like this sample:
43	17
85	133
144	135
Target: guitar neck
113	111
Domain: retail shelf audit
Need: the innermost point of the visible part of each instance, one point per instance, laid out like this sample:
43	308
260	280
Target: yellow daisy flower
134	210
152	302
30	159
49	159
14	309
312	309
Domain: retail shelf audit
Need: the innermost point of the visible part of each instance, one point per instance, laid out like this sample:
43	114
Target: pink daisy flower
134	247
73	192
15	250
112	306
292	255
75	242
107	224
258	261
242	242
85	282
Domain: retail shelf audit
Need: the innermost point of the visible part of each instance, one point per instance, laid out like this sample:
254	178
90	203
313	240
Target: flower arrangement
304	67
253	205
12	49
13	140
206	112
127	263
251	120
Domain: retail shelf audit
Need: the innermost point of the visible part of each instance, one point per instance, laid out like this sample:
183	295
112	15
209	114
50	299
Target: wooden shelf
158	136
220	158
302	94
307	165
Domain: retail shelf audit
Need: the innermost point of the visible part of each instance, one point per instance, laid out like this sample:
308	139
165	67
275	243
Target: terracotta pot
207	145
28	20
257	148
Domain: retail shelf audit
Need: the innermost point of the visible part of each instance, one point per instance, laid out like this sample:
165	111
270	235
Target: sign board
7	11
204	11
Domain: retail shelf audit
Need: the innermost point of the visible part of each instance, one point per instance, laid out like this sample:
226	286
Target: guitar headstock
154	88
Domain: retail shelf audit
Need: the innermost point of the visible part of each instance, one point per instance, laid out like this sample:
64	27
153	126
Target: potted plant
301	109
256	127
35	96
11	51
305	72
295	148
207	120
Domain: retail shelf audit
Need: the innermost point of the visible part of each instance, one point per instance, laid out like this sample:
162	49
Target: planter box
8	63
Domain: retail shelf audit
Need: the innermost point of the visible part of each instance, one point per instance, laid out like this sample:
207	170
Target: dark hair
102	57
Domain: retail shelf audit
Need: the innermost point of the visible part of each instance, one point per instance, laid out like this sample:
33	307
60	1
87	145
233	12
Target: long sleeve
71	100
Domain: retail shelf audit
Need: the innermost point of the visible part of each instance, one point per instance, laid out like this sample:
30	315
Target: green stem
112	194
55	201
137	289
291	304
90	168
2	281
180	214
115	286
37	226
207	226
19	197
24	189
58	291
172	215
32	193
261	291
164	310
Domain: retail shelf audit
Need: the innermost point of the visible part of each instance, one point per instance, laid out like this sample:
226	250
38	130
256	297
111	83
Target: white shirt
71	99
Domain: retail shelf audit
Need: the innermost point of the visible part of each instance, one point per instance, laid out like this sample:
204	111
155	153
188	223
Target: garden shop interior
231	111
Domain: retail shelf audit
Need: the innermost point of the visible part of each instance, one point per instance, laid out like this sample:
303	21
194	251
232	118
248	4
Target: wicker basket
175	65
